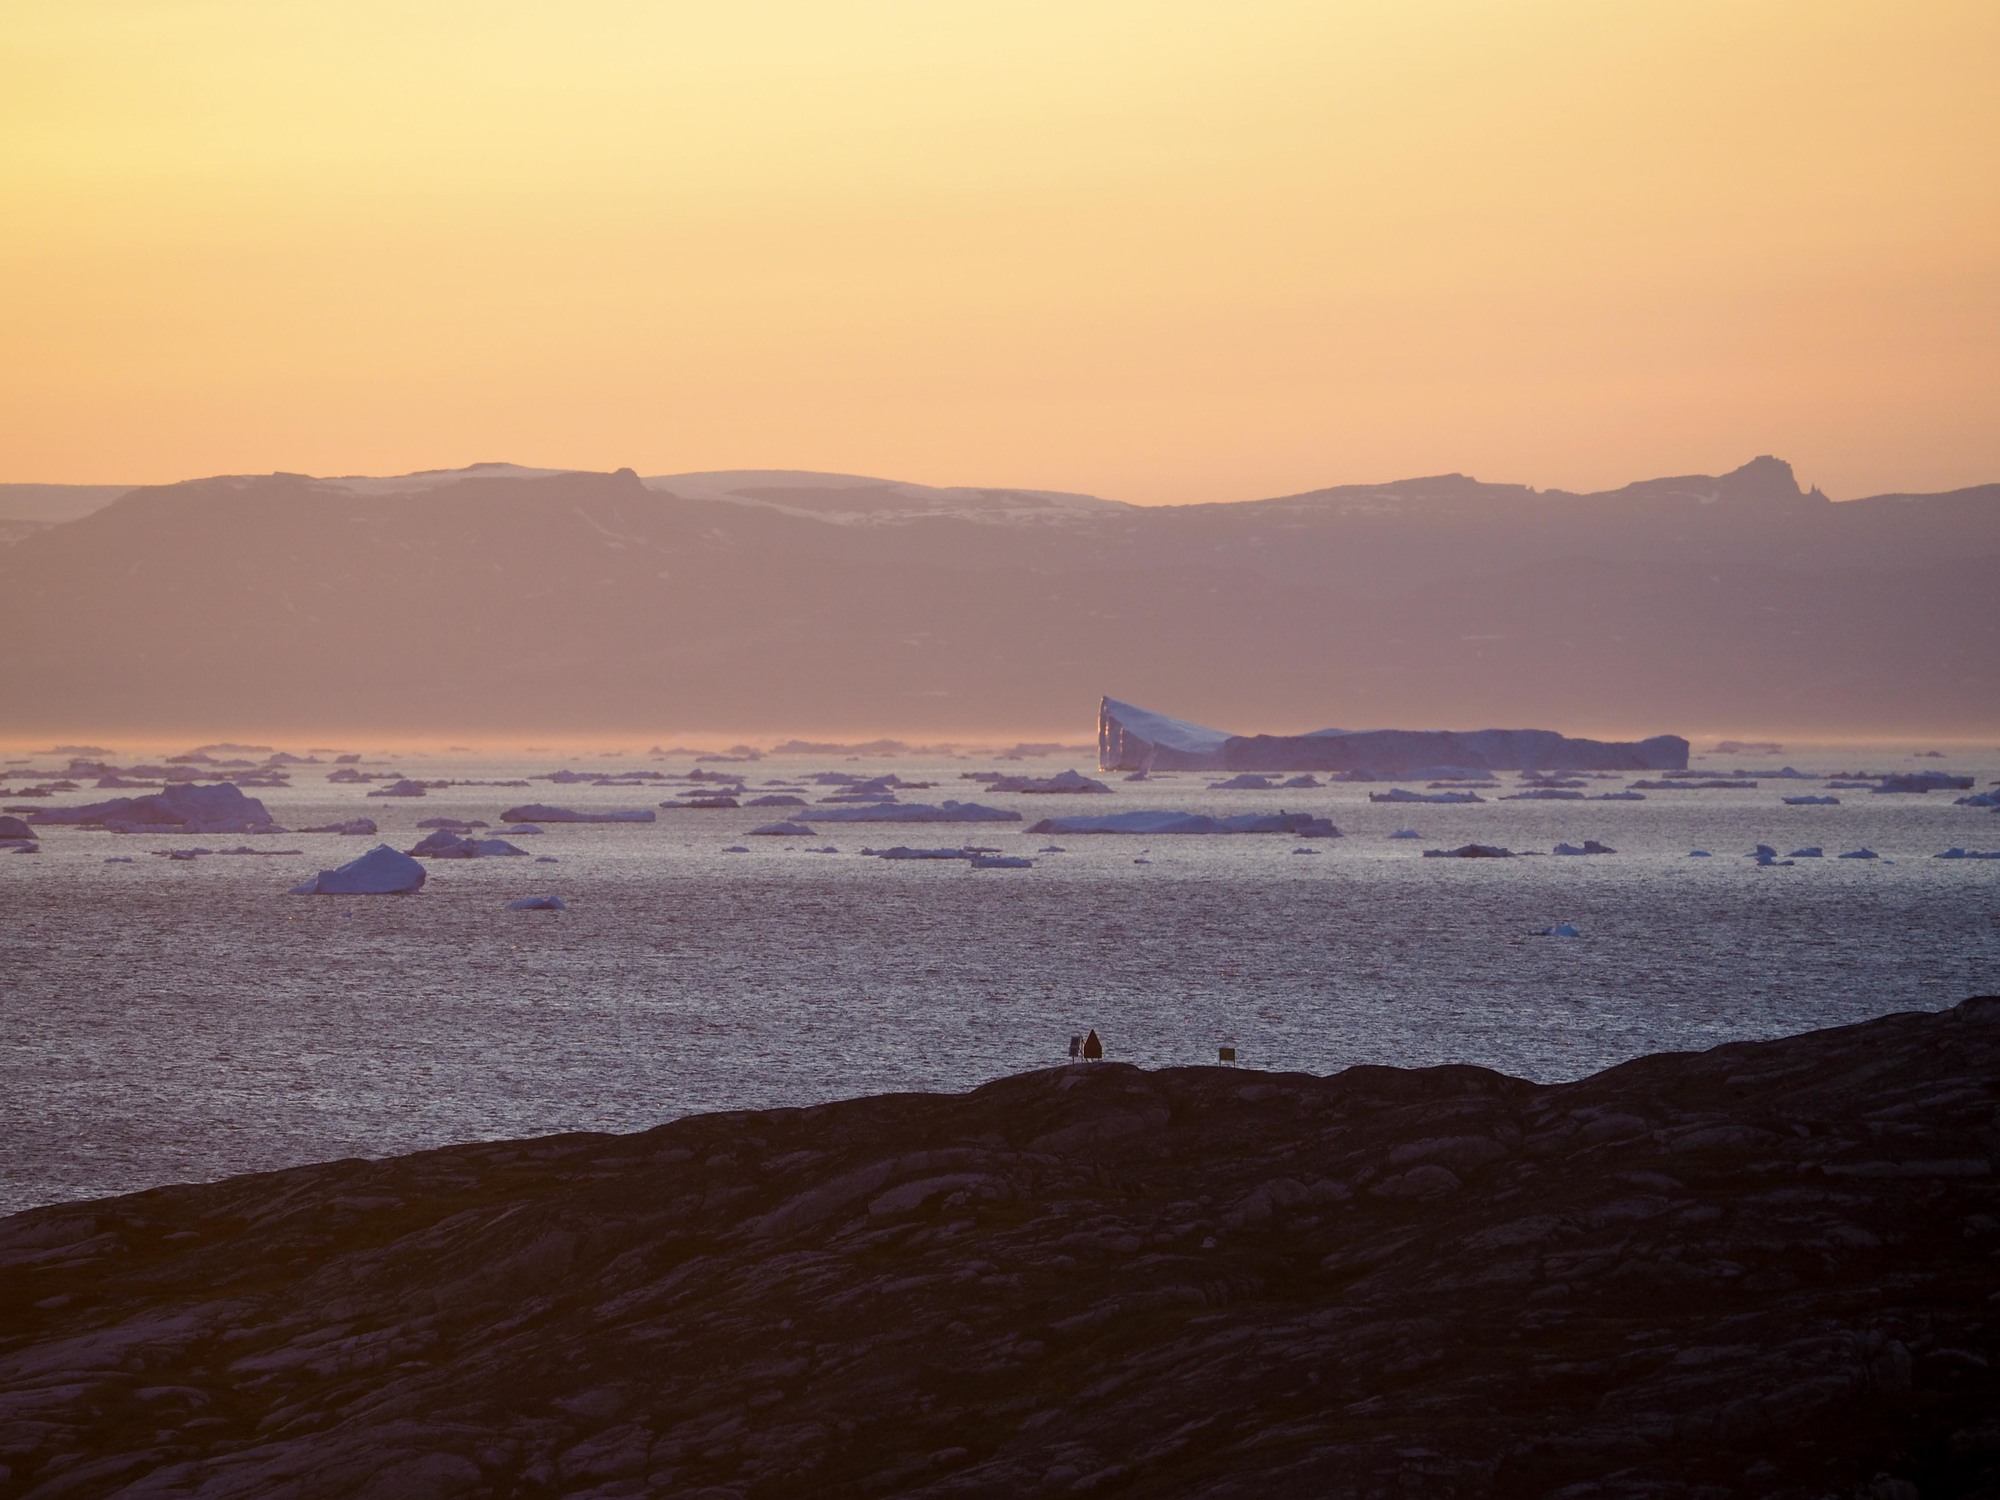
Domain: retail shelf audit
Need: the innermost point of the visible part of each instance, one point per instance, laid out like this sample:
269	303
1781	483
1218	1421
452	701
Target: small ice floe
1001	862
382	871
1248	781
783	829
823	849
1052	849
547	859
456	825
1957	853
1811	851
903	851
351	828
1142	860
1406	833
735	849
915	812
1471	851
537	812
1700	854
126	859
403	788
1148	822
1561	929
444	844
1062	783
1767	857
522	830
1812	802
1858	854
1404	794
1979	799
1588	846
537	903
776	799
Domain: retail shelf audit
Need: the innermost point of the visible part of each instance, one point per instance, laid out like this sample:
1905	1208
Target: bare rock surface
1769	1269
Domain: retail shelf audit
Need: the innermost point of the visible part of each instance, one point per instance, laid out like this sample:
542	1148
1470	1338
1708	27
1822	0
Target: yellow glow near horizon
1154	249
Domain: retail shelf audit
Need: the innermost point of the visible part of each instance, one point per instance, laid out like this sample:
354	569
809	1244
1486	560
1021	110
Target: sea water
166	1021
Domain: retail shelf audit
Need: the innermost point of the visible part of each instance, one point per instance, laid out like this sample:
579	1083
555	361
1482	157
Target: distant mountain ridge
843	606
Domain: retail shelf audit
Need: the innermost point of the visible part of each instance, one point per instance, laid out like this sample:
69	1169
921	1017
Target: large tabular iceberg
1148	822
1136	739
382	871
182	808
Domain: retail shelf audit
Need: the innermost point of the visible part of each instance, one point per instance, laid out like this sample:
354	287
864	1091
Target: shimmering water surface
168	1021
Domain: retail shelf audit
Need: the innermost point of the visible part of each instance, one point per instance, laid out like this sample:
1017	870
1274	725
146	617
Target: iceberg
14	828
783	830
403	788
1404	794
914	812
536	812
1978	799
1923	781
1811	851
382	871
181	808
1471	851
776	799
1130	738
537	903
1063	783
1299	825
1588	846
1406	833
444	844
1543	794
356	827
1858	854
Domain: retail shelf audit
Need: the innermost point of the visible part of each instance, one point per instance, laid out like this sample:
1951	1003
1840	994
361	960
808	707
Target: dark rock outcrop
1767	1269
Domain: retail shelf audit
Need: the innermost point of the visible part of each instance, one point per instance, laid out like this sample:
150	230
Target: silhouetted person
1093	1049
1075	1048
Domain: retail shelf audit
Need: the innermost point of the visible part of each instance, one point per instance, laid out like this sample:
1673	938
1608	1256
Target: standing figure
1075	1048
1093	1049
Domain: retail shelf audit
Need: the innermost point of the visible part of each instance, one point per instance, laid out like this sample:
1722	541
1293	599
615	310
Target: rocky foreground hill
1769	1269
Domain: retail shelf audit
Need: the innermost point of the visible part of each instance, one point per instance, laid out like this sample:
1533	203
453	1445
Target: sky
1157	250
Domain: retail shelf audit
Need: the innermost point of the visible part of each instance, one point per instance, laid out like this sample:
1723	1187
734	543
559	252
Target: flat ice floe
444	844
382	871
536	812
537	903
914	812
1404	794
1299	825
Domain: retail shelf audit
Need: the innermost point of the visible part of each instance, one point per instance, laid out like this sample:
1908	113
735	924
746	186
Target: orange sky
1152	249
